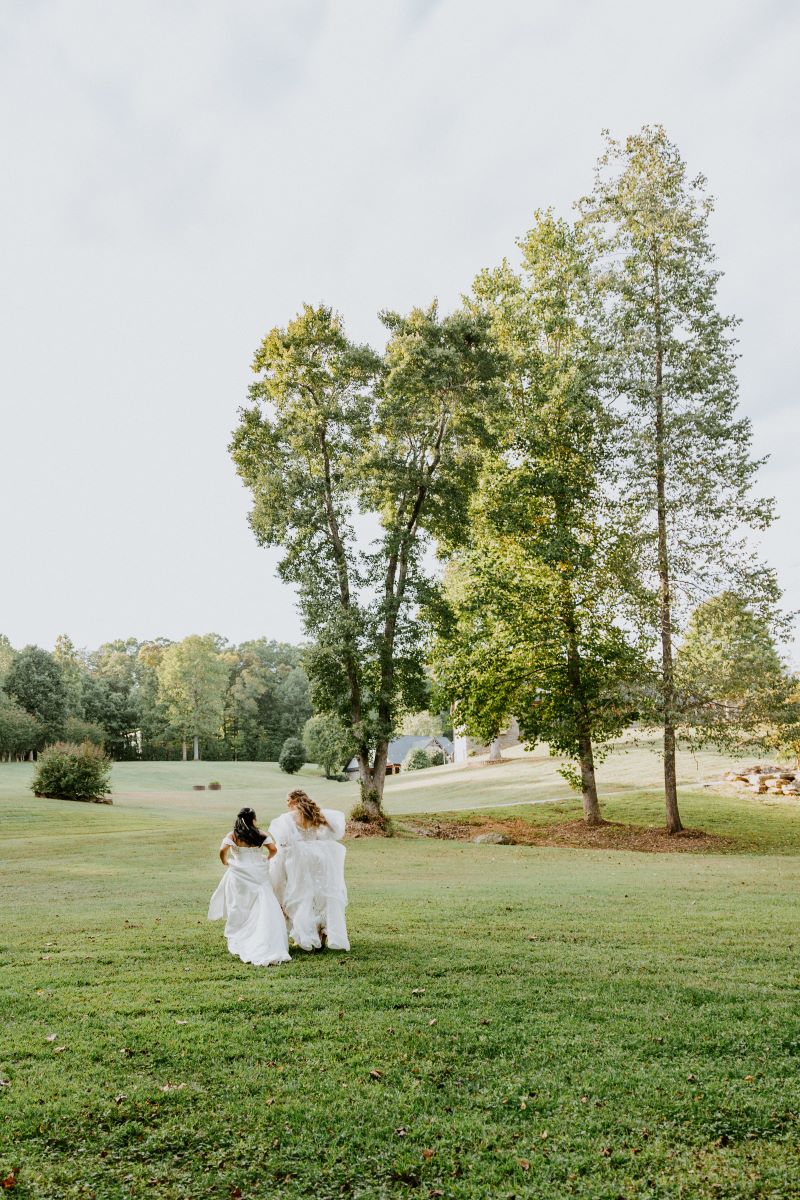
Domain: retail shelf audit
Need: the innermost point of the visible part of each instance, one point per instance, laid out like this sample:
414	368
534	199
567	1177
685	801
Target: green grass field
511	1022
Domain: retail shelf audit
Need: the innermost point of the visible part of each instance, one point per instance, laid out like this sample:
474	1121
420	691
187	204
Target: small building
399	748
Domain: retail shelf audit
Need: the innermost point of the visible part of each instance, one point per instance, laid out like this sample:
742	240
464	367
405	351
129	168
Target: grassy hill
512	1021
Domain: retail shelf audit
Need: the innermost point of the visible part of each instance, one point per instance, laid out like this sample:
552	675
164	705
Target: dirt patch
363	829
610	835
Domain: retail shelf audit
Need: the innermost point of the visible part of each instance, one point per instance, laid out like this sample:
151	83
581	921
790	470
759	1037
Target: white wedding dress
255	928
308	878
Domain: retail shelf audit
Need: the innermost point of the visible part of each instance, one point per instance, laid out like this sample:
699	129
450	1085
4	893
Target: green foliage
35	681
328	743
77	730
193	677
292	756
68	771
531	622
332	430
417	759
20	732
732	687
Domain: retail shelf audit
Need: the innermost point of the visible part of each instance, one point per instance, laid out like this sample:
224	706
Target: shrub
292	755
67	771
436	758
215	785
417	759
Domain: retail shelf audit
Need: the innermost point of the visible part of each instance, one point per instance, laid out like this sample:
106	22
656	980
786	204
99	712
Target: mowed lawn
511	1021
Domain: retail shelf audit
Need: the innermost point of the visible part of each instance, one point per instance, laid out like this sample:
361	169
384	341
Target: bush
416	759
292	755
436	758
67	771
215	785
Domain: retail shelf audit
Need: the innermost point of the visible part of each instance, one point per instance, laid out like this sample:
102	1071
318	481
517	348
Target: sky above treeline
179	178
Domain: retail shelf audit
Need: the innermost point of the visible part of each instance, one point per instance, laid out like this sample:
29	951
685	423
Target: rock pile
766	779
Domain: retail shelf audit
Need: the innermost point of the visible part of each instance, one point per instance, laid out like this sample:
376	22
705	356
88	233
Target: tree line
155	699
569	444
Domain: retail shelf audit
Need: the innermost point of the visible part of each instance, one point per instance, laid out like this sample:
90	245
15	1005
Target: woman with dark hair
308	872
255	927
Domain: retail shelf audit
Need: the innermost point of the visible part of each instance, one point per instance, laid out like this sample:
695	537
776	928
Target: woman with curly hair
308	872
255	928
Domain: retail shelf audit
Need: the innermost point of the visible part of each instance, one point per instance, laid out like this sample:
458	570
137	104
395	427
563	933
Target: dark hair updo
245	829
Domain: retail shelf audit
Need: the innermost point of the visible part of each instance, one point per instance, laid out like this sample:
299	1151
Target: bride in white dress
255	928
308	872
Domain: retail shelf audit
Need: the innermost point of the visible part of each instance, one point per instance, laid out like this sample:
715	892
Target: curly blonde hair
310	812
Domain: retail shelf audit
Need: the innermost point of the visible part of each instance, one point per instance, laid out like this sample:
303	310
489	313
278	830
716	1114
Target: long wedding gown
255	928
308	878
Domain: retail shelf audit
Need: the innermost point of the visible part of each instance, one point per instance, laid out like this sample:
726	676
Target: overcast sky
180	175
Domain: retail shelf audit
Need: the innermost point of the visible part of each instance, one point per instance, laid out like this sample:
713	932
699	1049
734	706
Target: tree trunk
591	805
673	820
495	751
183	750
371	782
196	748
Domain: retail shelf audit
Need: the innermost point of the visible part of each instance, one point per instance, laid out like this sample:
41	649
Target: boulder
493	839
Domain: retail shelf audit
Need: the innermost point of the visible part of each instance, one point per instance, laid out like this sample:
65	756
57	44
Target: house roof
400	746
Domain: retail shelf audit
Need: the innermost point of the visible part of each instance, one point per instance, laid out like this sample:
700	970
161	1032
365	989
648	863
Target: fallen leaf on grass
484	1021
59	1049
120	1097
126	1050
10	1180
748	1078
524	1163
428	1154
51	1037
418	991
433	1021
401	1132
606	1152
376	1074
172	1087
271	1100
5	1083
235	1193
435	1192
181	1022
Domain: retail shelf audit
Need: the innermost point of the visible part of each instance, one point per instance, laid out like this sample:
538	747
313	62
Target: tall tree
690	470
73	670
333	431
193	677
35	681
536	601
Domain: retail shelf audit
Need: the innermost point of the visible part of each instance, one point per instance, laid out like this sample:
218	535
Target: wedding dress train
308	878
255	928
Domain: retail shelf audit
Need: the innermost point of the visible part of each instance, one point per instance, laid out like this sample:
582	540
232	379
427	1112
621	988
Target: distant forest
154	699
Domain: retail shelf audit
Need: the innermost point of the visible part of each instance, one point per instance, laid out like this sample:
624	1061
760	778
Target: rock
494	839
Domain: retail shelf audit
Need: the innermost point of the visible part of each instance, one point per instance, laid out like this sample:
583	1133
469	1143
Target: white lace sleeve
227	841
